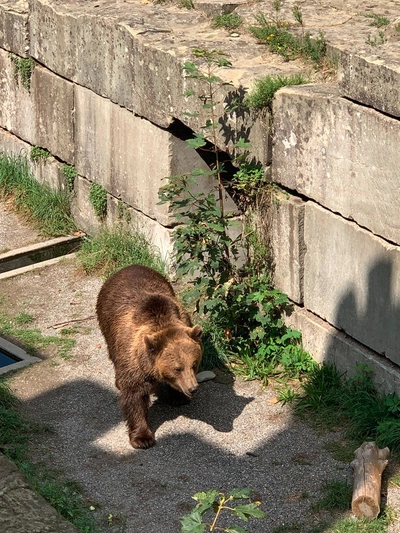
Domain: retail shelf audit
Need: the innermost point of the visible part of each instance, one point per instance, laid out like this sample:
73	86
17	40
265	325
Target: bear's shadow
215	404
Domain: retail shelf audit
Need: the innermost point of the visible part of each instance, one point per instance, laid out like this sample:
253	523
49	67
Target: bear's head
177	352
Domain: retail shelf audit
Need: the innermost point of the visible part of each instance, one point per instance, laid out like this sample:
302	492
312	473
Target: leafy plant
112	249
229	21
48	210
280	41
98	199
23	69
264	89
220	502
70	174
38	153
287	395
241	303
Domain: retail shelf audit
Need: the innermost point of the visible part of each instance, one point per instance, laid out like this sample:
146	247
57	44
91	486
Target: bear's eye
194	366
178	369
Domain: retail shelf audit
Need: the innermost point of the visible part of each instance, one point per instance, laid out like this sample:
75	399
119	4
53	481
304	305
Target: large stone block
286	229
17	111
373	77
42	115
129	155
344	156
48	172
54	109
136	62
352	280
326	344
14	33
157	235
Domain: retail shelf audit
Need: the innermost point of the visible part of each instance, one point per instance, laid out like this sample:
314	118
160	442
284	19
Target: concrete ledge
35	266
25	359
22	510
327	344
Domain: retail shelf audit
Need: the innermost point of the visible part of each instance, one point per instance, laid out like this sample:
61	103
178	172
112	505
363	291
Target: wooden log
369	463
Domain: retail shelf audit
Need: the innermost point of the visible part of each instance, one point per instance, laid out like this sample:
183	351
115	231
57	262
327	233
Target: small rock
235	34
206	375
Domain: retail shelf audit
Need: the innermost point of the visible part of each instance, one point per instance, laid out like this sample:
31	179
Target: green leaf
242	144
251	509
191	115
241	493
191	523
236	529
188	92
197	142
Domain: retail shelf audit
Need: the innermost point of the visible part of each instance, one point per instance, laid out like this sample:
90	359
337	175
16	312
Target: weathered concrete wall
106	95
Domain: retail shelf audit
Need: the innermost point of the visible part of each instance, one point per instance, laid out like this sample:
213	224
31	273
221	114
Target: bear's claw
142	442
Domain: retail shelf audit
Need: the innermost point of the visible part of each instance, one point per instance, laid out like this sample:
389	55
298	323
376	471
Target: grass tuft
112	249
229	21
264	89
32	338
280	41
49	211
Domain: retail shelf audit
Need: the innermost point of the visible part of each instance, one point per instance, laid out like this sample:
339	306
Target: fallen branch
369	463
62	324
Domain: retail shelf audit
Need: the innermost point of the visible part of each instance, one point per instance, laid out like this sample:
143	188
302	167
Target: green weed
70	174
112	249
378	21
287	395
280	41
23	69
38	154
264	89
201	518
48	210
229	21
98	199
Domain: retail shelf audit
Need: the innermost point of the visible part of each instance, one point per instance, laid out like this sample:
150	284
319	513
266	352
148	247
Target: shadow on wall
222	440
374	324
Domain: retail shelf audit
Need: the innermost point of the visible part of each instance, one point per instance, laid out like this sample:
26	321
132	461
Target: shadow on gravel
221	440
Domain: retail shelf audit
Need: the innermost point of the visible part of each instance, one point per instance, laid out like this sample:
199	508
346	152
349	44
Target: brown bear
150	340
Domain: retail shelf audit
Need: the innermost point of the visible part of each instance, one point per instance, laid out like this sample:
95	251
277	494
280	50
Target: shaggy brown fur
150	340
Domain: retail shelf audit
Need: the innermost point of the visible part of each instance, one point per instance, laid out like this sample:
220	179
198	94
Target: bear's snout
193	390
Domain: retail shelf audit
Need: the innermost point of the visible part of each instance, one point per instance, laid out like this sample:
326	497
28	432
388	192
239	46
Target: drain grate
13	357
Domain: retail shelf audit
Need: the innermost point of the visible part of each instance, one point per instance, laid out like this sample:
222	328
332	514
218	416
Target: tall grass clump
49	211
354	403
114	248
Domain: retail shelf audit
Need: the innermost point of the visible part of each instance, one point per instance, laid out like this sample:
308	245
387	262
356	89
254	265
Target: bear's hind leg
135	405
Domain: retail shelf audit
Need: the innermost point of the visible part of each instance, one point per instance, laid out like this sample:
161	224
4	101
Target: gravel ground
231	435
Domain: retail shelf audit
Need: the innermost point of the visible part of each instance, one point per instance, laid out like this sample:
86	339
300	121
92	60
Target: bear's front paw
144	439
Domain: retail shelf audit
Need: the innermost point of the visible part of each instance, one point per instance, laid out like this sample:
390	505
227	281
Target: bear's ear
196	333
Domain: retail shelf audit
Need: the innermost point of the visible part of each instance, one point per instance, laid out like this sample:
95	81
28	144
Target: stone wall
106	96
